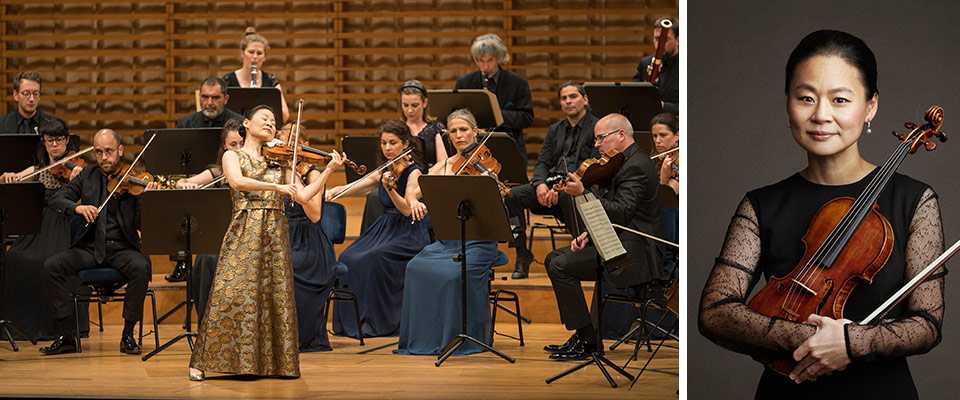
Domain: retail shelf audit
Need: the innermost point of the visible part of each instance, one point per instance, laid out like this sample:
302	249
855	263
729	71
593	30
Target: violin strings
380	168
849	221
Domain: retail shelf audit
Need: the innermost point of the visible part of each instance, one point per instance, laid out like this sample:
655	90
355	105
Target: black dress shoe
179	273
522	268
580	350
63	344
129	345
563	348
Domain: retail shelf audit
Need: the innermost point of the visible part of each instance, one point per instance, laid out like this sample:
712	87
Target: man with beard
213	100
109	240
668	81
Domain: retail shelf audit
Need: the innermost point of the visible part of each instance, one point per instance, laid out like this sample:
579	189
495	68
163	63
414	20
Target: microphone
253	75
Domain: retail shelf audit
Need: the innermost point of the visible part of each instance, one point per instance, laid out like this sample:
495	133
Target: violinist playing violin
631	200
831	89
24	300
568	142
110	239
665	128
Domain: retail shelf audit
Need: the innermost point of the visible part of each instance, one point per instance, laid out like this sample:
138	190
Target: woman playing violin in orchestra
376	261
250	326
665	128
230	139
253	51
831	88
24	300
432	282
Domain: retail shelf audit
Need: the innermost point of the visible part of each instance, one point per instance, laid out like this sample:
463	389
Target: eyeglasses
104	152
55	140
35	94
604	136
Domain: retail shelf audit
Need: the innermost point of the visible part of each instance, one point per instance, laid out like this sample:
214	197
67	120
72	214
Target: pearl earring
869	131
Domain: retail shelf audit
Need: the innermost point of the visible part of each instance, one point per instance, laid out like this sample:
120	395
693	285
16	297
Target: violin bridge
805	287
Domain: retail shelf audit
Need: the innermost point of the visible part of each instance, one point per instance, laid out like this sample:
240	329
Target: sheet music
598	224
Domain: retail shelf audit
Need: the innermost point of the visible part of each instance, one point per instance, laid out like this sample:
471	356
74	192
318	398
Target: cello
848	242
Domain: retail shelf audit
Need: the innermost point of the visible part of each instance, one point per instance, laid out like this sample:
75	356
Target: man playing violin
213	101
110	239
668	81
632	200
567	144
28	116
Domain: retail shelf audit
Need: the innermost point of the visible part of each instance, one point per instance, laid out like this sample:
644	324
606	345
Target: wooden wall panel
134	65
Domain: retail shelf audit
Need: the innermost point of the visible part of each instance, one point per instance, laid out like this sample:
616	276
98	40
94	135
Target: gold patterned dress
250	325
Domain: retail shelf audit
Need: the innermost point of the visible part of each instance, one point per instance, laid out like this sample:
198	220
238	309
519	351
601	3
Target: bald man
632	200
109	240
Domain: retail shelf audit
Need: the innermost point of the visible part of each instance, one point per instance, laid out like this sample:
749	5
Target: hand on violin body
822	353
89	213
546	196
579	242
574	186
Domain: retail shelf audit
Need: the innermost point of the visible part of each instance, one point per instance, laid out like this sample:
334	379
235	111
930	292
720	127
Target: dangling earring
869	131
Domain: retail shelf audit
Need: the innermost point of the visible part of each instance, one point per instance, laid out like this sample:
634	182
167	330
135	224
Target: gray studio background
738	139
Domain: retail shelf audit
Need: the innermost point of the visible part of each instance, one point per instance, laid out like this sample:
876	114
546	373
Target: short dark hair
573	83
28	75
213	80
53	127
835	43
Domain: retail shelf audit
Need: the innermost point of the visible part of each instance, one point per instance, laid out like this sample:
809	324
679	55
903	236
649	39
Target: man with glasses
27	118
567	144
213	102
109	240
632	200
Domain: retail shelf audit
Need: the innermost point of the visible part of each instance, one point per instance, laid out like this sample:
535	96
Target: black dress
269	80
25	302
764	238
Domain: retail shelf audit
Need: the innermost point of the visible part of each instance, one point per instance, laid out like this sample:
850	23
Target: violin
395	170
848	242
63	160
120	182
380	168
674	164
64	170
307	157
477	159
592	171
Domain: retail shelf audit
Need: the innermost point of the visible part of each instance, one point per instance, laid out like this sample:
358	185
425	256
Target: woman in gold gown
250	326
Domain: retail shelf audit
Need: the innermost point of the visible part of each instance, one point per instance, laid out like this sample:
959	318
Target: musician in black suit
632	200
567	144
669	77
213	101
512	90
28	116
110	240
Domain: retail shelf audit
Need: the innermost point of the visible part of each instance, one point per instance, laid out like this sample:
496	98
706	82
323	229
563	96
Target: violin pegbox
922	134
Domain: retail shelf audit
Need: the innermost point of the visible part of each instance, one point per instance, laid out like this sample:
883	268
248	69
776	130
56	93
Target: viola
64	170
848	242
120	182
593	171
477	159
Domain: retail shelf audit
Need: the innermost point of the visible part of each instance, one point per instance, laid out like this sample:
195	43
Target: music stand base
5	327
188	335
462	339
598	360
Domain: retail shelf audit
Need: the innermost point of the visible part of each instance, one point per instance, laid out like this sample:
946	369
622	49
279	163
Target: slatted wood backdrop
135	65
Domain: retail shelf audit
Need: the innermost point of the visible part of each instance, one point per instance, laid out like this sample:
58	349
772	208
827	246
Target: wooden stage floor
349	371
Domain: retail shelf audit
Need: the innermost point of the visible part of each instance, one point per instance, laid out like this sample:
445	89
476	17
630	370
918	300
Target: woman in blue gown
431	304
376	261
314	259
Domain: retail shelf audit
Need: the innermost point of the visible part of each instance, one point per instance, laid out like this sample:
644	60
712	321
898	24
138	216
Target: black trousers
525	197
566	270
130	262
201	279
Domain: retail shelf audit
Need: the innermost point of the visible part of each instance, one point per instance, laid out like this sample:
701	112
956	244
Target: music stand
19	151
164	229
638	101
198	148
21	207
243	99
482	103
363	150
465	198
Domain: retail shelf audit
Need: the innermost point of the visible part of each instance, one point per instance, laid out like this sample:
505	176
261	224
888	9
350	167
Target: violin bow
380	168
664	153
125	174
646	235
213	182
469	159
62	161
910	286
296	144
